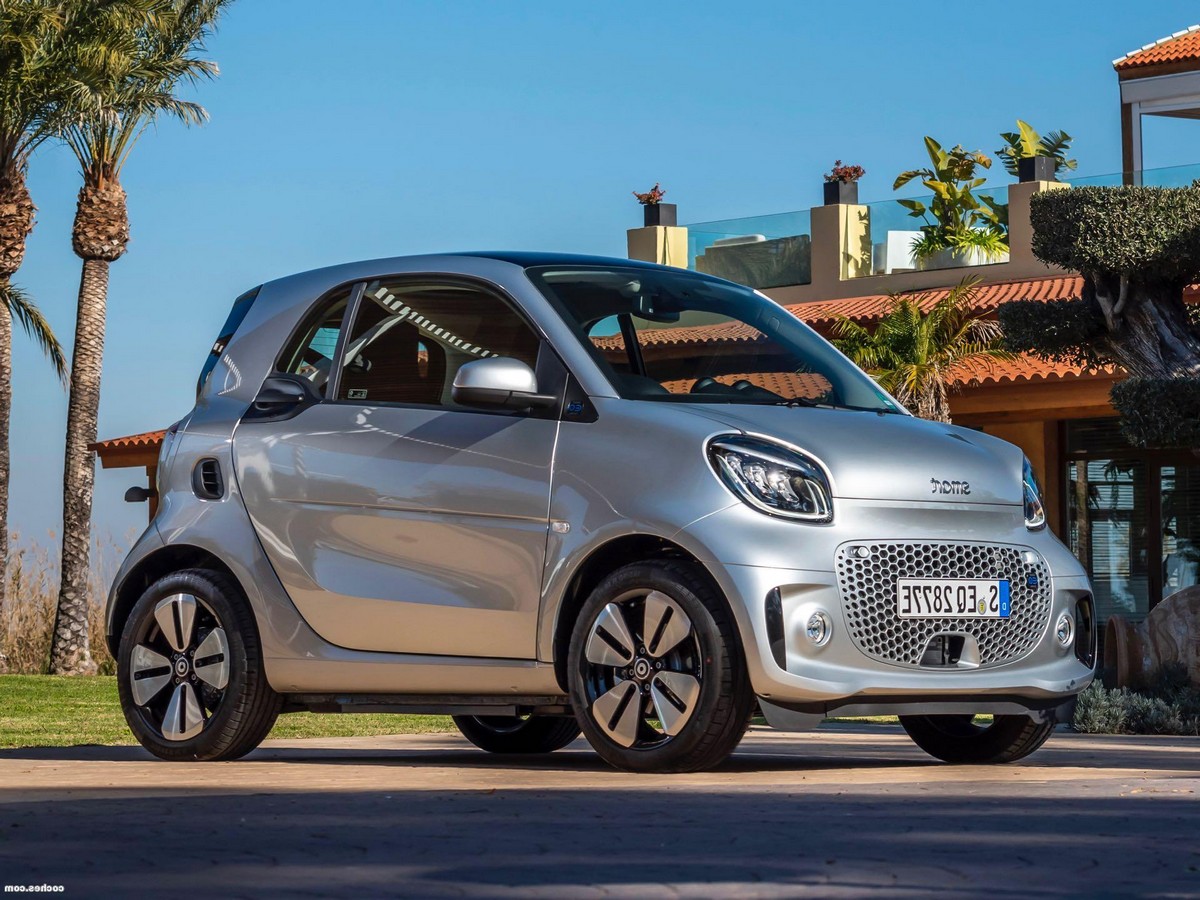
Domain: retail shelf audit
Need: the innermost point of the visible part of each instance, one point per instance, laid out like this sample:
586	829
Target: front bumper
774	603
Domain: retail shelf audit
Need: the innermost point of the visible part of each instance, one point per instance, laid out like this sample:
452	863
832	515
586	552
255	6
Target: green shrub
1146	233
1066	330
1159	412
1168	704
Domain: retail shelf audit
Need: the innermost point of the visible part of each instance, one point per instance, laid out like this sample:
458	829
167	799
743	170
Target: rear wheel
657	676
190	673
958	739
518	734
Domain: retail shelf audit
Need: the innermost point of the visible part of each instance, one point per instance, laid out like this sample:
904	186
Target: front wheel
518	734
657	677
957	739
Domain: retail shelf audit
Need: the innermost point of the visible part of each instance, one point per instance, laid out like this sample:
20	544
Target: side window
409	340
310	352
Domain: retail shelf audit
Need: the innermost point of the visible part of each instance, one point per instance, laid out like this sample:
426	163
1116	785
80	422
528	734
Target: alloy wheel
179	668
642	669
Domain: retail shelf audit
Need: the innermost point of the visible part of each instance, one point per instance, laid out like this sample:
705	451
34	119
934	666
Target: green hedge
1066	330
1145	233
1159	412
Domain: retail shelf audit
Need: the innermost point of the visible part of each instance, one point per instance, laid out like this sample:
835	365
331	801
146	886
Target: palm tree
135	82
916	356
29	81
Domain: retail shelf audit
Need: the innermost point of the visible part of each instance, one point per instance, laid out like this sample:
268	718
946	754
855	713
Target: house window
1133	518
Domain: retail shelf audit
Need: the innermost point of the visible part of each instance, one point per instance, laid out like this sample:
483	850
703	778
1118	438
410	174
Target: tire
189	670
517	734
676	700
957	739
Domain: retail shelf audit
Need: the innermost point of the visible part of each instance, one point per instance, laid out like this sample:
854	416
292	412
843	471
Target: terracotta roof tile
145	440
1024	369
823	313
1182	46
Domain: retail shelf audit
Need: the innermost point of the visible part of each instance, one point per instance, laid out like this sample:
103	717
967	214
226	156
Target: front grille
868	589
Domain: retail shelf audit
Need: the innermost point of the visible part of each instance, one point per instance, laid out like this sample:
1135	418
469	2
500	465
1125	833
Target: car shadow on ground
825	754
578	759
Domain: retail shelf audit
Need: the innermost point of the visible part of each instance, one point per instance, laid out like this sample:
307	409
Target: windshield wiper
824	404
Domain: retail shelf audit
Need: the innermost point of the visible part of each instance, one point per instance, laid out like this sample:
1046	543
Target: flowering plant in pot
655	211
961	227
841	183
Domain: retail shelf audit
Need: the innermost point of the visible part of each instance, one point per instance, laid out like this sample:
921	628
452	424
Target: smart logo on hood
961	488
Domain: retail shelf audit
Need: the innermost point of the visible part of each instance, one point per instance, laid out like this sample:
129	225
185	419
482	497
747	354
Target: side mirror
499	382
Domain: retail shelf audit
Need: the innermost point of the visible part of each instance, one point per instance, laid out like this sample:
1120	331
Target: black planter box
659	214
1035	168
841	192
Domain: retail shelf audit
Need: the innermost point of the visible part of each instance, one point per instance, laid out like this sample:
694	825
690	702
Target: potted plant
961	228
841	183
1030	157
655	211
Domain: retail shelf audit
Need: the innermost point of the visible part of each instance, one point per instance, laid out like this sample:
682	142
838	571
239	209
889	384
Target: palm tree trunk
5	410
16	221
70	653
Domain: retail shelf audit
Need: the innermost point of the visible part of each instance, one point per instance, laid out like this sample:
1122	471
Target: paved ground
835	813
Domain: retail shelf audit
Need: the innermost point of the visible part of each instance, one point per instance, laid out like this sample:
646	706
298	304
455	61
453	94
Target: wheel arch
151	568
603	561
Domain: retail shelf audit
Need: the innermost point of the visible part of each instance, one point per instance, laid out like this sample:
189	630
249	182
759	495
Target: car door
396	519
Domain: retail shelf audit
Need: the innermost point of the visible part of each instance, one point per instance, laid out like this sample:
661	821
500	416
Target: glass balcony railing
776	250
1170	176
759	251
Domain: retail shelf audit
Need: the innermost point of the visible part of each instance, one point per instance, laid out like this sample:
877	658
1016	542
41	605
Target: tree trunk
99	236
1148	327
70	653
5	409
16	221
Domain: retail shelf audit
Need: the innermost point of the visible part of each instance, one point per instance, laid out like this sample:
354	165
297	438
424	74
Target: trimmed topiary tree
1137	248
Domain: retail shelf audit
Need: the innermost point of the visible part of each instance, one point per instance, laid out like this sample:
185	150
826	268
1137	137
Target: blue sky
372	128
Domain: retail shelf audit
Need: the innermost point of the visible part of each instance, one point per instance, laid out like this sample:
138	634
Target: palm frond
129	59
919	349
25	311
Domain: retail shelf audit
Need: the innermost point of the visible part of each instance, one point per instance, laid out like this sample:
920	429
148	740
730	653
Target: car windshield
679	337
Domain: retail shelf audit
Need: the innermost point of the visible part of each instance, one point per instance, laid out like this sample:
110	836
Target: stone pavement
841	812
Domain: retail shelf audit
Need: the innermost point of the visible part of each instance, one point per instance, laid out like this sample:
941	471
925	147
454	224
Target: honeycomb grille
868	589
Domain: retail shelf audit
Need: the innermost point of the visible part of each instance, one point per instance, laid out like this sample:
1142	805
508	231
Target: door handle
282	396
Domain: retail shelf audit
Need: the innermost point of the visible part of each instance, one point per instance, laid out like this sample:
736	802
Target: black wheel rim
642	670
179	668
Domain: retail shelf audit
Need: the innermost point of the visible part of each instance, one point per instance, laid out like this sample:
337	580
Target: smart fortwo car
549	493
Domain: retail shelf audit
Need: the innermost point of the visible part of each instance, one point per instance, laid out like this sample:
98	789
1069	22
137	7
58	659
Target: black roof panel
529	258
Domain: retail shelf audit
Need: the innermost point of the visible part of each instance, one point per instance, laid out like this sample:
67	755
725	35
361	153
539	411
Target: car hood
888	457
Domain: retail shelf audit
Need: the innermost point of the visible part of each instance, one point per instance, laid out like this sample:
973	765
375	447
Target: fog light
818	628
1065	630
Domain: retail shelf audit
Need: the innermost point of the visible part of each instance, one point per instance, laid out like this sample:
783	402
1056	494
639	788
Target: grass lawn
50	711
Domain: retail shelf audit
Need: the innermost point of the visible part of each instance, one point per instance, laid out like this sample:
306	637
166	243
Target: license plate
960	598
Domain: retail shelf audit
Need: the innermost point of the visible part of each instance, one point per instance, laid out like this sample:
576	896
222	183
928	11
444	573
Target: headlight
774	479
1035	512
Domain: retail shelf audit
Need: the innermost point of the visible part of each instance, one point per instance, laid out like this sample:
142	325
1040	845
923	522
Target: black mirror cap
490	398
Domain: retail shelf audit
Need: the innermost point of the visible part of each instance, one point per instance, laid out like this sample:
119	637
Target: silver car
548	493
